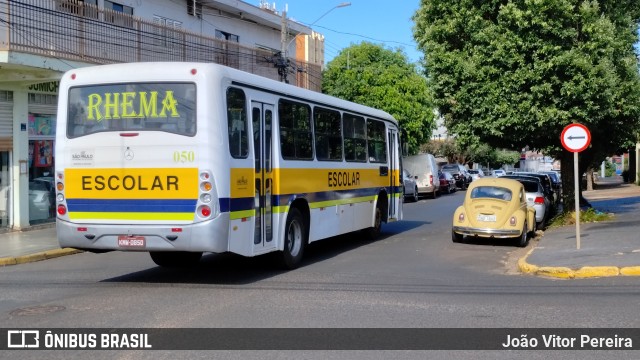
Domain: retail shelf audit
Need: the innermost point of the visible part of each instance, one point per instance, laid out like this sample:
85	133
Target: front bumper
488	233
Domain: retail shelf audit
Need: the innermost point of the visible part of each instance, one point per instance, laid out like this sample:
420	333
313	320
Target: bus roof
178	71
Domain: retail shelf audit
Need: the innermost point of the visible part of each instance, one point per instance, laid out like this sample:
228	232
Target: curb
581	273
39	256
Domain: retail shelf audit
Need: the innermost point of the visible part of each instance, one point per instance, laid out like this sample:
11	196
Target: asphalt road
413	277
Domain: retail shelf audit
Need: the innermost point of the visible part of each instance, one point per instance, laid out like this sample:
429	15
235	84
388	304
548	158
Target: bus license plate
125	241
489	218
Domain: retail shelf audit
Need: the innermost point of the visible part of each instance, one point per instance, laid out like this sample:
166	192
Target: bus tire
295	238
373	232
175	259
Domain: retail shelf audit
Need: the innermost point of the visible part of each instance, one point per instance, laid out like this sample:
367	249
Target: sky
386	23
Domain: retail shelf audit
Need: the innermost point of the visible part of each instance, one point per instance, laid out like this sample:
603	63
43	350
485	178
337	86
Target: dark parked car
460	174
447	182
556	182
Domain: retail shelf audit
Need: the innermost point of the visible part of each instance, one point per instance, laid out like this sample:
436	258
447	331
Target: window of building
167	32
194	8
328	134
86	8
118	14
229	52
295	130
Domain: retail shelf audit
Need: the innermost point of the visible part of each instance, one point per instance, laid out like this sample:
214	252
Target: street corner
50	254
524	266
585	272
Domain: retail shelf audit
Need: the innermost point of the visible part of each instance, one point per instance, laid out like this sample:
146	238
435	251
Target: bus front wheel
175	258
294	240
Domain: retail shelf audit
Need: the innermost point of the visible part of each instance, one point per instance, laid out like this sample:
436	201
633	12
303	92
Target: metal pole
577	197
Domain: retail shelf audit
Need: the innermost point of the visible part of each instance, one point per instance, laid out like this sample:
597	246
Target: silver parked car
39	201
537	199
476	174
410	186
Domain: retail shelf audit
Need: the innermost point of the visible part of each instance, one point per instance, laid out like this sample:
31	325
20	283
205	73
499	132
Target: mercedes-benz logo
128	154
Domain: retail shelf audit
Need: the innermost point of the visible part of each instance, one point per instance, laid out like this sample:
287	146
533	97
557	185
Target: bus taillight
62	209
205	211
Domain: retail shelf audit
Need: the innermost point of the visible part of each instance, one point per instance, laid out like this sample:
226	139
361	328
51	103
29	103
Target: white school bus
178	159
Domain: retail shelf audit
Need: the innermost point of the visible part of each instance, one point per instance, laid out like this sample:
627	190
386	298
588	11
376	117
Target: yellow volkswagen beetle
495	208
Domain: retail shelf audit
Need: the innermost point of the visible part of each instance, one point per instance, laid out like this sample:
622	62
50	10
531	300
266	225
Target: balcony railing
72	30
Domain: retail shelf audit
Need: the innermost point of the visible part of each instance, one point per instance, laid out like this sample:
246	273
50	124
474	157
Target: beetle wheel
455	237
523	239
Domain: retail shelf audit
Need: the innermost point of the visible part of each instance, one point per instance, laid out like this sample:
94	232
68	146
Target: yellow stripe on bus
235	215
301	181
139	183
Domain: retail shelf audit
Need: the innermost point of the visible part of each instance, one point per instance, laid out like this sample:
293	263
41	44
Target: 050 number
184	156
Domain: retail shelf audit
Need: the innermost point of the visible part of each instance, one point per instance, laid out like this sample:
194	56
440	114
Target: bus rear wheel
294	240
175	259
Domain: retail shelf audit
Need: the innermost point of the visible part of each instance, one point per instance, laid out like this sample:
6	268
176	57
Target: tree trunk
589	178
566	173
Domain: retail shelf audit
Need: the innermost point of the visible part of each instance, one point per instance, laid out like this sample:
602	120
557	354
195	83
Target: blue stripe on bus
243	204
189	205
132	205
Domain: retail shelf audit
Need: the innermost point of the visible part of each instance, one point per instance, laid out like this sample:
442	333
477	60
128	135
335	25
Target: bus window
295	130
167	107
328	134
237	123
355	138
376	141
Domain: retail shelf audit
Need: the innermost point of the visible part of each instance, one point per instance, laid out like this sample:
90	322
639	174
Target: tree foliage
514	73
372	75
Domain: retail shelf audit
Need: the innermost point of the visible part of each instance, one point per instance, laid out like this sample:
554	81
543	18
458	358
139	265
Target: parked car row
421	176
505	205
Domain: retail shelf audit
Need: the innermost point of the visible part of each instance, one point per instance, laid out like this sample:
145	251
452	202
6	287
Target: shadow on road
232	269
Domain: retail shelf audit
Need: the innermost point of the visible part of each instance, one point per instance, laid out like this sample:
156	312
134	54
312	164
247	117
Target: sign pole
576	191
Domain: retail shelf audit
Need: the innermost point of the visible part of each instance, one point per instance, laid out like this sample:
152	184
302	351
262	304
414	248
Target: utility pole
282	63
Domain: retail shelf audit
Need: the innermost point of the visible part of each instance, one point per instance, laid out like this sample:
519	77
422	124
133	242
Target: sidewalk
608	248
19	247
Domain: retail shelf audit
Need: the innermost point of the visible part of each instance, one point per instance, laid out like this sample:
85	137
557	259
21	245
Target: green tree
512	73
372	75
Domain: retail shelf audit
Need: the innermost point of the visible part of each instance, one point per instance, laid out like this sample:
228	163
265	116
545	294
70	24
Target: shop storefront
42	127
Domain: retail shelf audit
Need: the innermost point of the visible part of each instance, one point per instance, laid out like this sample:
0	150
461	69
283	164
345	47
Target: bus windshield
168	107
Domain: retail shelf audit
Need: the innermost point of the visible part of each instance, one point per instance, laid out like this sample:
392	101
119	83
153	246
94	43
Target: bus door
262	116
394	172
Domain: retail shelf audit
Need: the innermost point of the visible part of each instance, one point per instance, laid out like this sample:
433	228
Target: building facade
42	39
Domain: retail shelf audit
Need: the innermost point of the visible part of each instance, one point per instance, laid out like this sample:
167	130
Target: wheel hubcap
294	238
